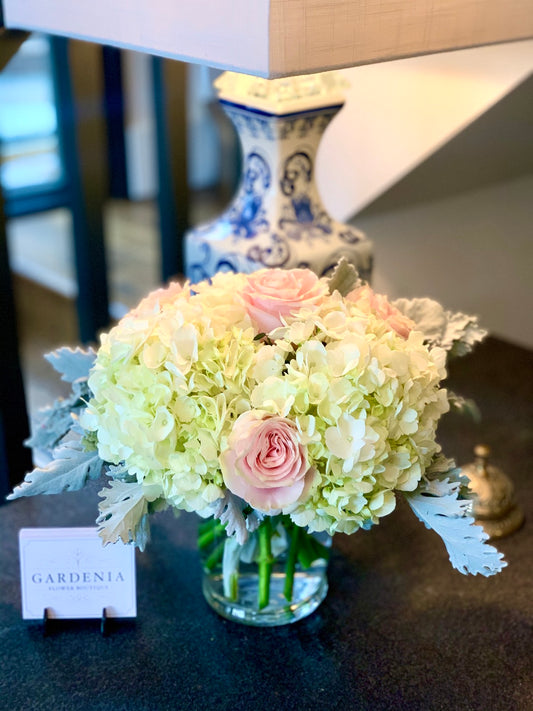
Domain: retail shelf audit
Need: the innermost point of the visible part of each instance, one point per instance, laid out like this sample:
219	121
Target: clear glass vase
277	577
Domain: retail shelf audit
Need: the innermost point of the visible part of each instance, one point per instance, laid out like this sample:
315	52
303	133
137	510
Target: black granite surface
399	629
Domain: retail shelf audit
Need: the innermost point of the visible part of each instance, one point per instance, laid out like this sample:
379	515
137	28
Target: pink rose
265	463
270	294
156	299
378	304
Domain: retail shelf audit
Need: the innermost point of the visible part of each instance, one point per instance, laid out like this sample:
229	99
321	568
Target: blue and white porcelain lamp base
277	218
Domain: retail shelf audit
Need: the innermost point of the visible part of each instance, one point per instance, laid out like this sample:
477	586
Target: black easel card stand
49	621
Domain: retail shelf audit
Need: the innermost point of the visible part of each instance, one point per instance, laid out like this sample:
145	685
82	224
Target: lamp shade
273	38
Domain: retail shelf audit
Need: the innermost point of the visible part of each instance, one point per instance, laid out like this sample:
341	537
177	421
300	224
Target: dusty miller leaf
50	425
457	333
344	278
123	514
253	520
441	464
464	406
229	510
73	364
437	504
70	470
120	472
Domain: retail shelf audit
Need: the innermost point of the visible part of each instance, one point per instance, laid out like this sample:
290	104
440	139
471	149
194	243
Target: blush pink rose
265	463
271	294
378	304
156	299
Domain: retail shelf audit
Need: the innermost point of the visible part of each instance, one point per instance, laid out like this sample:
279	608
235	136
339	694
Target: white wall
398	113
473	252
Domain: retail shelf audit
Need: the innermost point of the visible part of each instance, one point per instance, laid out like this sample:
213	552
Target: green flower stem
207	525
310	550
265	562
306	554
292	557
208	536
215	557
234	586
320	550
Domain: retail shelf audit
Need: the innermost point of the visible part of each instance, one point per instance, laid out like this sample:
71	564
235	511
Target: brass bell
493	502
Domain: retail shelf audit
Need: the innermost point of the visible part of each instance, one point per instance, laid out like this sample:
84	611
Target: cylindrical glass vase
278	576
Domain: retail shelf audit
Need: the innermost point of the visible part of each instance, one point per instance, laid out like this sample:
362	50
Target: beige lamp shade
273	38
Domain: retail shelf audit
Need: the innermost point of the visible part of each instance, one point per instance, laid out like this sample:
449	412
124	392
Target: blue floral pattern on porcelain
276	218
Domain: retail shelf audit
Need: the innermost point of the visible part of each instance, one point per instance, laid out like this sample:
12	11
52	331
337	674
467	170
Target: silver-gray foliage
344	278
124	514
464	406
53	423
70	470
438	505
72	363
229	510
457	333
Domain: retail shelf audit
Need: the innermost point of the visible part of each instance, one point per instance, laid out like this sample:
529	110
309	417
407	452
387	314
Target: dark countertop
399	629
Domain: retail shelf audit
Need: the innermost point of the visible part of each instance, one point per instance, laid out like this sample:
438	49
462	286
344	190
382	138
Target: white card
69	572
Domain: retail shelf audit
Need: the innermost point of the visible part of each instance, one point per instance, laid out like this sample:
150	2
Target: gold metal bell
493	503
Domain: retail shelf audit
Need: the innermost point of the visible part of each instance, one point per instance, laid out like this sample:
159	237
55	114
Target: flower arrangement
270	404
